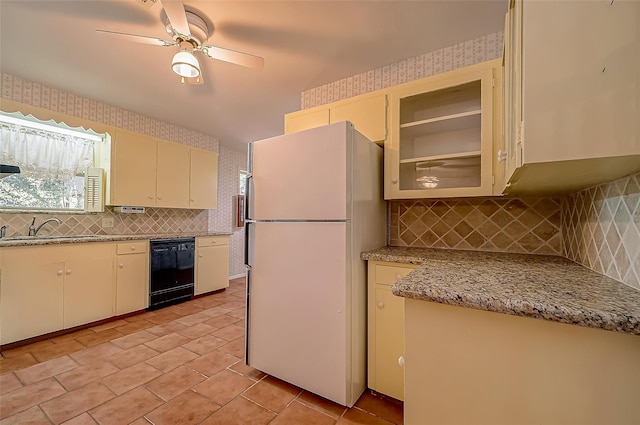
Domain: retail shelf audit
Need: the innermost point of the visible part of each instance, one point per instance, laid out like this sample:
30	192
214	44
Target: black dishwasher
171	278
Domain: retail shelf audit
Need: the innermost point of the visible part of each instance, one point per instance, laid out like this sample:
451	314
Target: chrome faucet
33	231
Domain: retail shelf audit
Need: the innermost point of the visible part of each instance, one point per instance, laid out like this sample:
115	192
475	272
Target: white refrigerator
314	203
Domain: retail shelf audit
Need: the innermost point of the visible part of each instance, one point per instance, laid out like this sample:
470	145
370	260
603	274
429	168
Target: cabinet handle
380	304
133	248
502	155
200	256
150	197
60	272
192	200
121	266
68	272
394	180
401	361
159	198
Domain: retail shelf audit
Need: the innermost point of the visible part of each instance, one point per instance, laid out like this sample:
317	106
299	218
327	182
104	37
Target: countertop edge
53	240
521	299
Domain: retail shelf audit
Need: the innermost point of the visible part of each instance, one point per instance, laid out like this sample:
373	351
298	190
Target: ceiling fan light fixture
184	63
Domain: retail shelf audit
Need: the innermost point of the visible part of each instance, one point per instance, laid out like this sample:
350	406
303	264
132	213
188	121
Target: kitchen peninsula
492	338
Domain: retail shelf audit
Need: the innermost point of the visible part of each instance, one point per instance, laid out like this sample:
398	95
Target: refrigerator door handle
247	243
246	318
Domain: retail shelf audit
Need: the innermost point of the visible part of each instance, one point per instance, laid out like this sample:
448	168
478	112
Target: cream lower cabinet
49	288
132	276
386	329
212	264
468	366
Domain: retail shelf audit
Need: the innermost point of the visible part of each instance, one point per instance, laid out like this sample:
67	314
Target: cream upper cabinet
386	329
442	136
572	90
171	175
305	119
149	172
133	169
367	113
203	193
212	264
132	276
49	288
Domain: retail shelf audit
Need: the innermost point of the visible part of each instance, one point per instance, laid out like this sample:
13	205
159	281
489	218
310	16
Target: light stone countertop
56	240
542	287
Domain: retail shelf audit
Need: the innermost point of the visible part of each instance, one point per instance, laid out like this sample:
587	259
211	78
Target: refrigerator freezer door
301	176
297	321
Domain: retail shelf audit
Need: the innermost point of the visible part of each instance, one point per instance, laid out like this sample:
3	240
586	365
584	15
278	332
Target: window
43	163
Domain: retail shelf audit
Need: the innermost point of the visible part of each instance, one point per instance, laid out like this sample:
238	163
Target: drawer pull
60	273
380	304
121	266
68	272
401	361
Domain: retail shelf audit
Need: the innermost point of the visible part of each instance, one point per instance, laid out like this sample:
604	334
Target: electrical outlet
107	222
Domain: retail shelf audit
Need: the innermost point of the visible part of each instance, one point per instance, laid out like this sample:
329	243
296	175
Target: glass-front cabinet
441	138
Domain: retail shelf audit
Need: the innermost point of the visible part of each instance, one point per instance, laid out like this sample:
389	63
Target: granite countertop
542	287
54	240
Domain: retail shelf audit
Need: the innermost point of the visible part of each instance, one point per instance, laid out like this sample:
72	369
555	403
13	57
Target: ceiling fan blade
138	38
177	16
228	55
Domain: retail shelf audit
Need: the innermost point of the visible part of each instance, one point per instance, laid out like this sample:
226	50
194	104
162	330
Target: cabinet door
172	175
133	170
368	115
389	313
304	120
132	283
203	179
88	290
30	297
385	328
441	139
212	268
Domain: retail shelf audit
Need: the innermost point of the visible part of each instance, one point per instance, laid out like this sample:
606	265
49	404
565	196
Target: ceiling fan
189	31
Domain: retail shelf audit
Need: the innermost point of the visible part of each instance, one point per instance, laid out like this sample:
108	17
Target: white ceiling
304	44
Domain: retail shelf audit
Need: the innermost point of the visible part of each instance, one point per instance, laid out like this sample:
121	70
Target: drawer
212	241
132	247
388	275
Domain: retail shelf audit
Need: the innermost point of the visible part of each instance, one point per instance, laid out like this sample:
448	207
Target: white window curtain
44	154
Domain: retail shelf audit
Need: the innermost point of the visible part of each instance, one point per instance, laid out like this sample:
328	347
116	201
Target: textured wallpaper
223	218
463	54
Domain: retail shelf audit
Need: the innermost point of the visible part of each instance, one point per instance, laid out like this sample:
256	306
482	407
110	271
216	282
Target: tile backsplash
602	229
153	221
486	224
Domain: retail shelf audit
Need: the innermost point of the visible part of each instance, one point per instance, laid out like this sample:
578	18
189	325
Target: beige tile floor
179	365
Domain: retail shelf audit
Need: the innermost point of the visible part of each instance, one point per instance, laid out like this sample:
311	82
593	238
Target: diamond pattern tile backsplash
486	224
602	229
153	221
